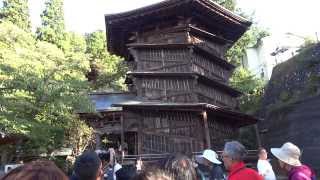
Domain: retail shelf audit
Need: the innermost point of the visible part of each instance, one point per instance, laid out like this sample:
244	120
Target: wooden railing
250	159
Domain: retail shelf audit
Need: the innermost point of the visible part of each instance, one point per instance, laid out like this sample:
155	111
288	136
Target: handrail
250	154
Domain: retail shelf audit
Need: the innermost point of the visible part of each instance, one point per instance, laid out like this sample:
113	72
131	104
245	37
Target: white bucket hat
209	155
288	153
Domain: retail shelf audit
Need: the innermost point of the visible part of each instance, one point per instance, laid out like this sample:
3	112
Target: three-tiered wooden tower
176	55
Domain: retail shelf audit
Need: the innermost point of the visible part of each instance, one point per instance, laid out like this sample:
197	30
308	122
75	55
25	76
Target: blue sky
279	16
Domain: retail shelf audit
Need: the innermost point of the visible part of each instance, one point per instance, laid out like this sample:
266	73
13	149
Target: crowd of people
103	165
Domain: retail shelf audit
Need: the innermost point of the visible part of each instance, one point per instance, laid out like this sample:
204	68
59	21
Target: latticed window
208	68
219	133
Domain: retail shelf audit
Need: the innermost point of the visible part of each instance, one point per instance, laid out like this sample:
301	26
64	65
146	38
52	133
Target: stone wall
296	78
291	105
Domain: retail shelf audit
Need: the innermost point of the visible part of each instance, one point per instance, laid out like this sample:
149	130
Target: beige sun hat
288	153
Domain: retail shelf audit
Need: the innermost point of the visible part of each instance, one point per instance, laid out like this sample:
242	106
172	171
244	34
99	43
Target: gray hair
235	150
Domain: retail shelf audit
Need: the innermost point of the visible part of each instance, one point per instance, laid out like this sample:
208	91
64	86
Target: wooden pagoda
175	51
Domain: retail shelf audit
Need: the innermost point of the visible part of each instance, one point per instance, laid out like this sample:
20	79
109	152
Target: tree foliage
40	90
106	71
43	82
242	79
251	87
53	28
229	4
249	103
249	39
17	12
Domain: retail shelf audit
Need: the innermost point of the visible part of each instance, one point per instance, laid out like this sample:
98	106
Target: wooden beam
98	140
122	130
140	135
256	129
206	128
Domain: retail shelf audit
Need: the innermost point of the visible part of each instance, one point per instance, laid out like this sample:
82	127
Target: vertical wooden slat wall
179	61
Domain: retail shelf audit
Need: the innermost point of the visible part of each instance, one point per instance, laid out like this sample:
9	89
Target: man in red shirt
232	156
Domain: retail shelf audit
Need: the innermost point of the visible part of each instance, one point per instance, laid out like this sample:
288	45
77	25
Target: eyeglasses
223	156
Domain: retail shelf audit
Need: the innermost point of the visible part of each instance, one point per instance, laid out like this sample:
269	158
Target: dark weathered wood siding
178	60
176	54
163	131
183	90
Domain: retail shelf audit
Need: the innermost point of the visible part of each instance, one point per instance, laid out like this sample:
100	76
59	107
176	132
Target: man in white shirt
264	166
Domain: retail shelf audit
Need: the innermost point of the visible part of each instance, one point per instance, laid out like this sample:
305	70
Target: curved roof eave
173	3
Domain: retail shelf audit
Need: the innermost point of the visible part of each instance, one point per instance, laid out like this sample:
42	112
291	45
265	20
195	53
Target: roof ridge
166	3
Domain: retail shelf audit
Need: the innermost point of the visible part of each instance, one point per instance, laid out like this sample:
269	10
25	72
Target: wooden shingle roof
235	117
218	20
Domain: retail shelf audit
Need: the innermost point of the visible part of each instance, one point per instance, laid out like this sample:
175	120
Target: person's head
233	152
262	153
208	158
181	167
126	172
104	156
36	170
288	156
154	174
88	166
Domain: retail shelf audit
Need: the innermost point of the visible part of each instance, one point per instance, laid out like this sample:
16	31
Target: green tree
53	28
74	47
251	87
17	12
249	103
106	71
243	79
40	91
74	43
229	4
249	39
